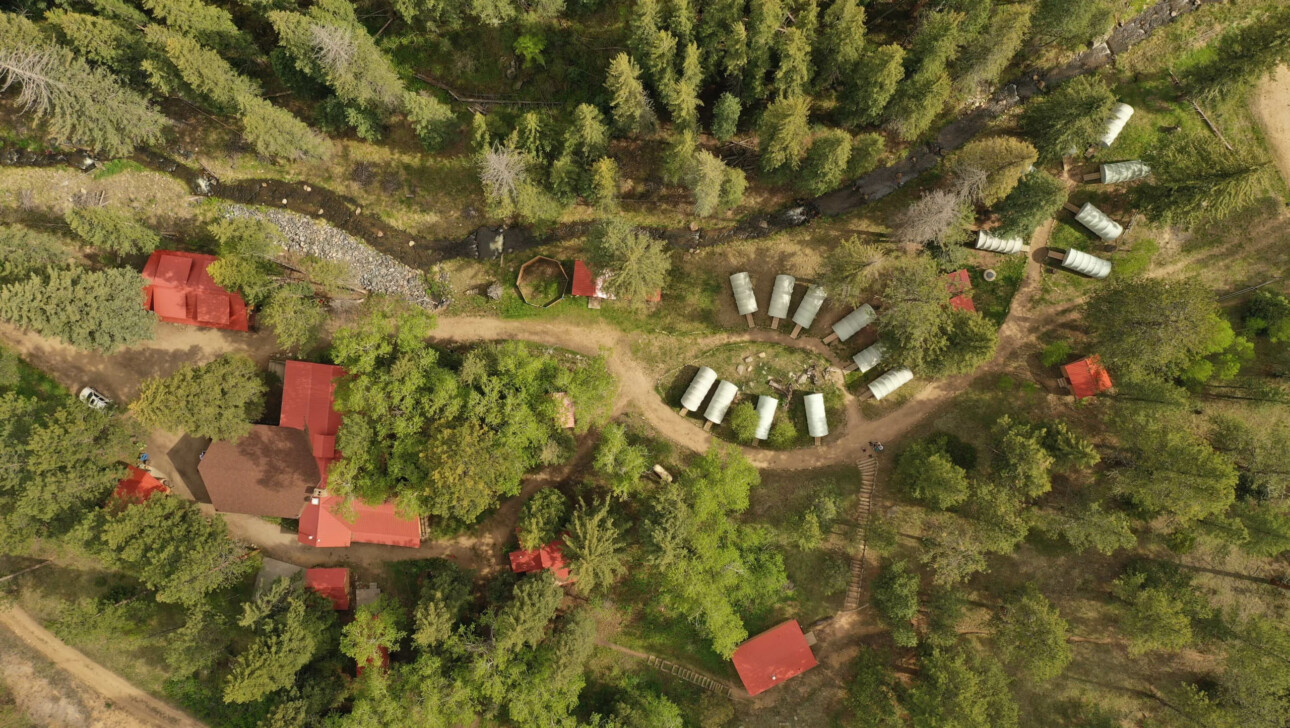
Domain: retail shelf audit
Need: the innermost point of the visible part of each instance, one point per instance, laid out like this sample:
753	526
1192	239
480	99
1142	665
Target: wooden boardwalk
864	506
716	686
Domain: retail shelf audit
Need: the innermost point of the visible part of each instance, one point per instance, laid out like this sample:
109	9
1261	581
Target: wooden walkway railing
702	681
864	505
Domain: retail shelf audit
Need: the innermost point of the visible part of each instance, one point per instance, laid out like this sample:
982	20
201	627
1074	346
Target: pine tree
870	83
678	157
683	99
219	400
112	230
706	178
1037	196
1243	55
82	106
630	104
826	162
208	25
785	133
604	184
377	627
841	43
764	20
997	162
98	310
1070	25
100	40
1069	119
640	263
642	29
725	117
1195	179
330	45
917	104
24	251
794	70
985	57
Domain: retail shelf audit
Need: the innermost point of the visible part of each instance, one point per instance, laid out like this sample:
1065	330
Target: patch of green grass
117	166
1137	259
994	298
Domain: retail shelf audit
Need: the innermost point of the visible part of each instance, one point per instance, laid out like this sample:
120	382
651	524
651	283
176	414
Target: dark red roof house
550	556
773	656
330	583
1087	377
308	397
180	291
326	522
139	486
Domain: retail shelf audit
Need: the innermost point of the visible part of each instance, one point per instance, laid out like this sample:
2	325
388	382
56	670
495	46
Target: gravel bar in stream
374	271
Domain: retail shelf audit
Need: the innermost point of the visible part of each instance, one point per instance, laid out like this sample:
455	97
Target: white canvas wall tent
721	400
807	310
766	407
1089	265
780	297
1118	172
698	389
1097	221
868	358
745	299
851	324
1006	246
817	424
1120	115
889	382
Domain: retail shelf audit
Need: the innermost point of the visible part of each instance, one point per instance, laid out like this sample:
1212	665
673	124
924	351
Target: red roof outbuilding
550	556
308	403
331	583
963	302
1087	377
139	487
324	523
180	291
773	656
958	282
584	284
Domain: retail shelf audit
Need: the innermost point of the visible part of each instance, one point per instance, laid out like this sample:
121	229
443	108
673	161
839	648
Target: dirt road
1271	105
145	709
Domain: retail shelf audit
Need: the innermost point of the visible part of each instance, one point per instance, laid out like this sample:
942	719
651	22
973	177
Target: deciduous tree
542	518
1030	635
895	597
377	627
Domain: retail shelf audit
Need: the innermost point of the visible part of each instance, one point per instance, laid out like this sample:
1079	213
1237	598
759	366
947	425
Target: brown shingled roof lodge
270	472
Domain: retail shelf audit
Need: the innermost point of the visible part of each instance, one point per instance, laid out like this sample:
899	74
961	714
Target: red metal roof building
550	556
586	283
180	291
963	302
773	656
308	397
139	486
330	583
326	523
958	282
1087	377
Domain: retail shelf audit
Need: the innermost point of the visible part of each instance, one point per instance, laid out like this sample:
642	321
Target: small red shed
550	556
770	658
331	583
139	486
1087	377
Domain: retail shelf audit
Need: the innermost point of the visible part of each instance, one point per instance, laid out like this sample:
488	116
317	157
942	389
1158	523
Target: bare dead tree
970	182
33	70
334	46
934	217
503	169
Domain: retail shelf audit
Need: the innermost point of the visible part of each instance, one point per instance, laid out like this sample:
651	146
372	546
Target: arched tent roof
780	296
1007	246
698	389
745	299
1082	262
1117	172
1097	221
766	407
890	382
868	358
817	425
1120	114
854	321
809	307
721	400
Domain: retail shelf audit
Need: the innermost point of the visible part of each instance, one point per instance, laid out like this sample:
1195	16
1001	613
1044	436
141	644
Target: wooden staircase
702	681
864	505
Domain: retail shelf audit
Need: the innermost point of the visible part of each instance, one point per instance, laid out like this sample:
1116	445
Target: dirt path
147	710
1271	106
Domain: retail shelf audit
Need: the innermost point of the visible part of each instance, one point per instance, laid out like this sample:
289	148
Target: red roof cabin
308	403
550	556
770	658
326	523
180	291
586	283
1086	377
332	584
139	486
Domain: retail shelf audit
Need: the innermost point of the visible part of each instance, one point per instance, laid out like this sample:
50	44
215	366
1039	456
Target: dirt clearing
1271	107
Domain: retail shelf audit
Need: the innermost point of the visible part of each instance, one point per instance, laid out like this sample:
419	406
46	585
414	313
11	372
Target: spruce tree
1069	119
784	133
794	70
764	20
683	99
920	100
98	310
629	103
725	117
826	162
111	230
1243	55
868	85
604	184
433	121
1195	179
841	42
219	400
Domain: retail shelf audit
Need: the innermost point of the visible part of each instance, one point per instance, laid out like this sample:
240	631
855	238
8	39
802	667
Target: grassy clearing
994	298
117	166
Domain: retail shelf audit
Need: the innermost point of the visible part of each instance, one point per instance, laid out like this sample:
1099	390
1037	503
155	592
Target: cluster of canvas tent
724	395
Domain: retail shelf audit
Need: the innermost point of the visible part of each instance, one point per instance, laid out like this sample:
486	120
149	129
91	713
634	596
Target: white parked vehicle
94	398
